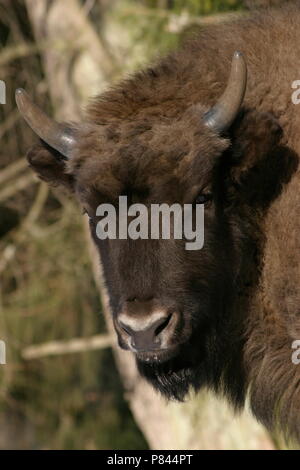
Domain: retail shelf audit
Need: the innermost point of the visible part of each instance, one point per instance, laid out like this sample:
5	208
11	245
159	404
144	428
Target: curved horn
58	136
223	113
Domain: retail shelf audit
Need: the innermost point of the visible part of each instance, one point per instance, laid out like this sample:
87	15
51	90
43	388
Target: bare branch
75	345
12	170
18	185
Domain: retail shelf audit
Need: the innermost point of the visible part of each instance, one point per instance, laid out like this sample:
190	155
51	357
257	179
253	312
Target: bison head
174	308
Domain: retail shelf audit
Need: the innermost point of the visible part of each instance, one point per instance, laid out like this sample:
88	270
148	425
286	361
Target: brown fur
145	138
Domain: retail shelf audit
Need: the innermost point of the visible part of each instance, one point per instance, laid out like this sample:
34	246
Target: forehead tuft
146	152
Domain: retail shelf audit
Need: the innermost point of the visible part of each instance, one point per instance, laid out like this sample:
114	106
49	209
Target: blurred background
51	398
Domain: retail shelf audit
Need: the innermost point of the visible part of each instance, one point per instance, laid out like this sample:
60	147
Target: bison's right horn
58	136
223	113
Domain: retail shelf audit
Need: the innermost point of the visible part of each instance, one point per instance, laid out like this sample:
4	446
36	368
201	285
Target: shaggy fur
239	296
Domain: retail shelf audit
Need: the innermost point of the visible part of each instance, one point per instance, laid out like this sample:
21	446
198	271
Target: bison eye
202	198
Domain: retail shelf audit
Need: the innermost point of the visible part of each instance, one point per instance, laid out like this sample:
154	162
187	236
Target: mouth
157	356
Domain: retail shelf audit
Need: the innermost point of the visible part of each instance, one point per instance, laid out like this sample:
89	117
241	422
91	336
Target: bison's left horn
58	136
223	113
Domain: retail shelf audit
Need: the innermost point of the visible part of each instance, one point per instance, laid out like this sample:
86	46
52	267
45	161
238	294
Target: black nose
146	332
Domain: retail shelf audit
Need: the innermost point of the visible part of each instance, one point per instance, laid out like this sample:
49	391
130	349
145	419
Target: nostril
162	326
125	328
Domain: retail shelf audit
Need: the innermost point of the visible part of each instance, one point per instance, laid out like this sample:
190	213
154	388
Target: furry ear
259	163
49	165
254	137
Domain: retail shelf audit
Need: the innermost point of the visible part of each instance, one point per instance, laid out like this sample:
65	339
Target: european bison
182	131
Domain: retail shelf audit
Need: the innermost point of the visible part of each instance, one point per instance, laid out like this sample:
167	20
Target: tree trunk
76	66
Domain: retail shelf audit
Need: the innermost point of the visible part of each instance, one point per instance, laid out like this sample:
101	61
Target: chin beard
177	376
200	363
172	382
